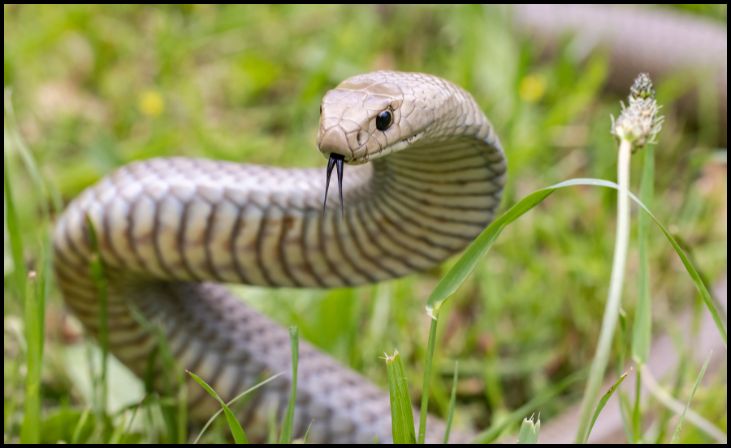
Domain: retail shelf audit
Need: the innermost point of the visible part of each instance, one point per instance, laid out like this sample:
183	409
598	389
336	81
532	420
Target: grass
402	416
98	275
286	436
529	430
237	432
96	87
30	288
603	401
676	433
468	261
428	363
452	403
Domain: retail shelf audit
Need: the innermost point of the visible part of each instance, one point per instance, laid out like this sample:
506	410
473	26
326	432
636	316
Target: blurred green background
90	88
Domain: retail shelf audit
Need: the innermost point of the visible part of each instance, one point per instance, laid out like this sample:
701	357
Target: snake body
169	230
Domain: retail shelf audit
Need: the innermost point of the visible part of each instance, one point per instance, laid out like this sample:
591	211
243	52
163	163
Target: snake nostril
362	137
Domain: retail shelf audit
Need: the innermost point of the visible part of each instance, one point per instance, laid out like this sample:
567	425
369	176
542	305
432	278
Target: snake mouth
335	160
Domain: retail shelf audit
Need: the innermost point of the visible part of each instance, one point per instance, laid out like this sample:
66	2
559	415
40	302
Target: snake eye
383	120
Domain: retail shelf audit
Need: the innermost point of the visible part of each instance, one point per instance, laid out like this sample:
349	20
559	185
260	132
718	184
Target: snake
425	174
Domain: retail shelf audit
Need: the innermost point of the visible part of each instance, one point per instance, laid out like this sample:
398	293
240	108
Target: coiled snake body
166	227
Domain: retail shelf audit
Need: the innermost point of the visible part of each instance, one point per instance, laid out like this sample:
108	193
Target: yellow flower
151	103
532	88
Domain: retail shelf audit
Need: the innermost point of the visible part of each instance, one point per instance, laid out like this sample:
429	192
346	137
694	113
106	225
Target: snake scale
171	230
166	227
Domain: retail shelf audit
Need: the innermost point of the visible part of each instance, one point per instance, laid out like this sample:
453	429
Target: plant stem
452	400
611	310
287	430
431	344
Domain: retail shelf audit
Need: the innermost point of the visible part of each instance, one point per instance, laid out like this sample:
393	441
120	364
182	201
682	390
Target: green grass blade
181	410
603	401
14	235
286	436
272	425
118	430
98	276
452	403
135	408
13	139
642	330
635	425
472	255
431	345
234	400
236	430
701	374
78	429
402	416
700	285
23	287
529	429
31	428
467	262
30	288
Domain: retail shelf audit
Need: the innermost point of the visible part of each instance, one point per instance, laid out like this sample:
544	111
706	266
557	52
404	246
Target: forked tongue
334	160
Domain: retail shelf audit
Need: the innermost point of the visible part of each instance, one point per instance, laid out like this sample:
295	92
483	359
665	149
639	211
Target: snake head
371	115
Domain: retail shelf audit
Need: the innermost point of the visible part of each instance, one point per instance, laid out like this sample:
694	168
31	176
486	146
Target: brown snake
167	227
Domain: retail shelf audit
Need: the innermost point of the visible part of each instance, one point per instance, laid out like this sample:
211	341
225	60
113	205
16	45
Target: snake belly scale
169	230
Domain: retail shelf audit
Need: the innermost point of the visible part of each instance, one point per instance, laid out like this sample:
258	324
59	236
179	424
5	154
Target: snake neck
422	206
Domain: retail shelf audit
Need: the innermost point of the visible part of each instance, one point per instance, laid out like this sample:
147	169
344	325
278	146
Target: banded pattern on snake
167	227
